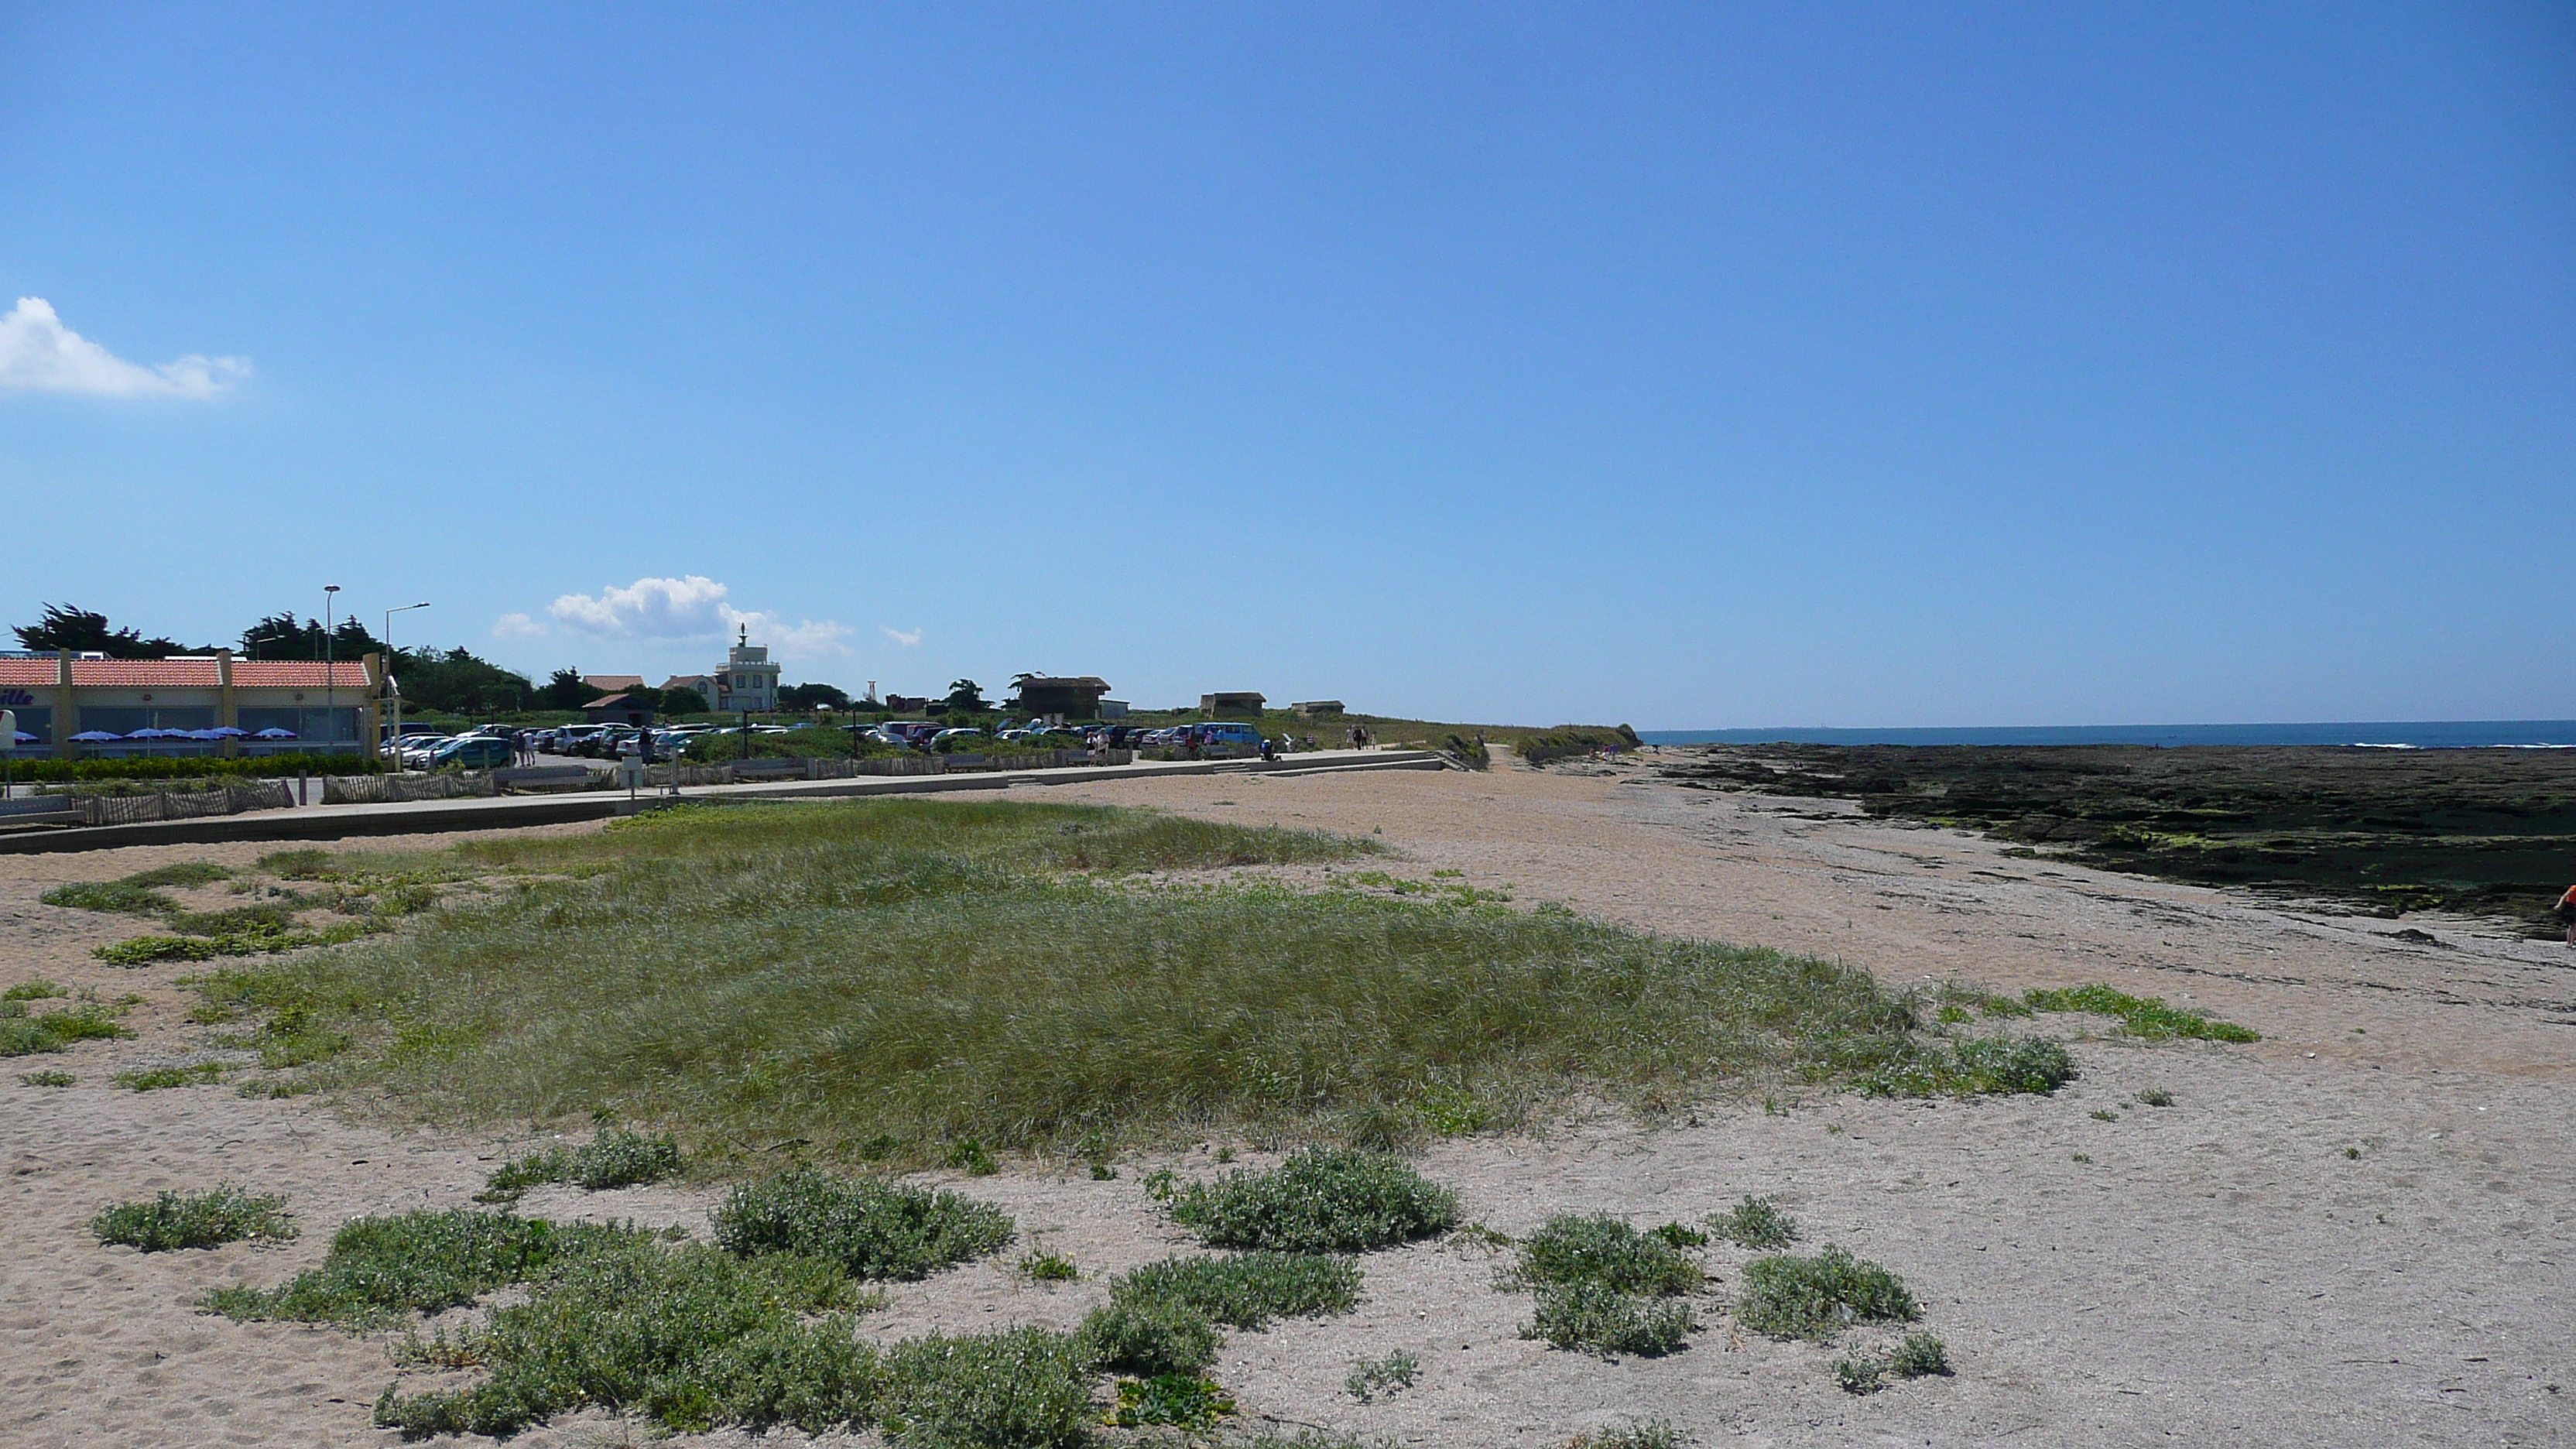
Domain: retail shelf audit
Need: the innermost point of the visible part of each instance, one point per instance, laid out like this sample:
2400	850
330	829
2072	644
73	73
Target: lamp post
393	686
330	676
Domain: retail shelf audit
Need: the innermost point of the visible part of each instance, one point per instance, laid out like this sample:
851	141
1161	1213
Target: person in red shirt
2567	913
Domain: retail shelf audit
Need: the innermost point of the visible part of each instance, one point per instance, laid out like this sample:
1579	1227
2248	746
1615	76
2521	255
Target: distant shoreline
2418	734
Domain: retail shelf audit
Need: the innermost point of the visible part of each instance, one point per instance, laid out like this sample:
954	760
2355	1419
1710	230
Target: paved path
331	822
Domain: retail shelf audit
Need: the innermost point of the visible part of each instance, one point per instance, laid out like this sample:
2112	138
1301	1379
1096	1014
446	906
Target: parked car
969	741
472	752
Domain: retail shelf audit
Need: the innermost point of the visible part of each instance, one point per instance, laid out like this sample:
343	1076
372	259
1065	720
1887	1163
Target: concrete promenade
333	822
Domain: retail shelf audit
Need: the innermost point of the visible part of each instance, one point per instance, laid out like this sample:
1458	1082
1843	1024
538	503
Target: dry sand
2220	1271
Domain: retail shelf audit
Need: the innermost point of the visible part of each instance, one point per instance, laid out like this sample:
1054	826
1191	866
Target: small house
1075	698
618	709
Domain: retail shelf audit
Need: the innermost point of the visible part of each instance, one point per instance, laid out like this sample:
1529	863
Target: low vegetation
614	1158
1793	1297
1599	1248
47	1079
1164	1317
32	991
224	1214
55	1031
1372	1378
425	1261
1600	1285
1637	1434
923	973
1321	1200
1756	1222
873	1228
2140	1016
1918	1356
1597	1318
1972	1066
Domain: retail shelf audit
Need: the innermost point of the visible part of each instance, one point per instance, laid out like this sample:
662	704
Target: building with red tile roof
58	696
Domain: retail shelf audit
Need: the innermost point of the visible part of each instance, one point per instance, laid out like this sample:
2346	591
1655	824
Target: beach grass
892	979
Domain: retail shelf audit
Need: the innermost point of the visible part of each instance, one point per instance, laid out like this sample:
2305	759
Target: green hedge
28	769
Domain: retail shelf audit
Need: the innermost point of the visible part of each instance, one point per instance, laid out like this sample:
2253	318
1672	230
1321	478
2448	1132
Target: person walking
2567	913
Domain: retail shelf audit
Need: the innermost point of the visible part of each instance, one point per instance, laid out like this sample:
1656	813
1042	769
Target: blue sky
1695	366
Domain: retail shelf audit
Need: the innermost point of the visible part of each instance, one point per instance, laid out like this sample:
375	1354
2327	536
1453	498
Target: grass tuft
2140	1016
47	1079
614	1158
32	991
1818	1297
1756	1222
55	1031
1164	1317
1601	1249
1596	1318
161	1079
224	1214
1371	1377
1640	1434
1181	1401
1322	1200
379	1268
115	897
871	1227
1975	1066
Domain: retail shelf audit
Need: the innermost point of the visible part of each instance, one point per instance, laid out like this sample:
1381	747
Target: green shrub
1148	1336
689	1338
2140	1016
1792	1297
90	1023
1755	1222
1322	1200
20	1037
1247	1290
144	950
1641	1434
873	1228
1180	1401
1371	1377
47	1079
189	767
1599	1248
267	918
224	1214
381	1267
1976	1066
1025	1388
181	873
1918	1356
1047	1268
1596	1318
32	991
113	896
614	1158
159	1079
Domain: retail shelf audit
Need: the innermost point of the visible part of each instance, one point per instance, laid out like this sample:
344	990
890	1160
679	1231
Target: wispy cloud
686	609
900	637
38	353
516	626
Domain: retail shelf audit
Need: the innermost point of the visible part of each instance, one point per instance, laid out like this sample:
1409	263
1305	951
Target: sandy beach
2356	1231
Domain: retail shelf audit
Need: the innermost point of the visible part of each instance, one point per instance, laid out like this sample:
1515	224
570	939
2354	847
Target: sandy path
2219	1271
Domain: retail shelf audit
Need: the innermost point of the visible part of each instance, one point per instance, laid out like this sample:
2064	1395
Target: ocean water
2420	735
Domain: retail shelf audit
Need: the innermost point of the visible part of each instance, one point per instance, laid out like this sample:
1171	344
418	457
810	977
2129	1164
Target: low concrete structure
1244	702
1317	708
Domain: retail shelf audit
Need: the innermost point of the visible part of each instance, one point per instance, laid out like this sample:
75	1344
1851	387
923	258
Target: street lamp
330	676
393	686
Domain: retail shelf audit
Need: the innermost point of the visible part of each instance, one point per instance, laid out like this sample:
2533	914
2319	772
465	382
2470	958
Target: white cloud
691	608
516	626
38	352
900	637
